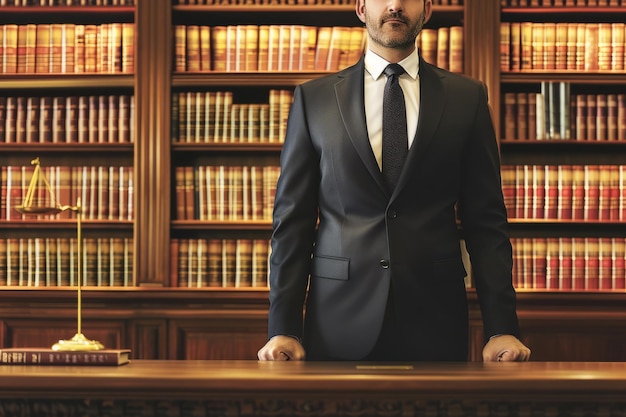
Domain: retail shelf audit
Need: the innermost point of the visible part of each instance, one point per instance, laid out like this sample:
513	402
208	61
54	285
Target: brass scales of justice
33	204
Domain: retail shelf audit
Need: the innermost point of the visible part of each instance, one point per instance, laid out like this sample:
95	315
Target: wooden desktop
251	388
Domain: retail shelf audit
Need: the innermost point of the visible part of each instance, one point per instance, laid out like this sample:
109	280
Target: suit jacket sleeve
485	228
295	217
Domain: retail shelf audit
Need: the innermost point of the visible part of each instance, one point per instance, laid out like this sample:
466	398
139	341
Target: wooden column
152	150
482	53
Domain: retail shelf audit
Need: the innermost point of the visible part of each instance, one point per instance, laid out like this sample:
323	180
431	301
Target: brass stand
79	342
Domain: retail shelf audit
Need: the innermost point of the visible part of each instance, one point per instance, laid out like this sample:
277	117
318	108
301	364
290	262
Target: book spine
28	357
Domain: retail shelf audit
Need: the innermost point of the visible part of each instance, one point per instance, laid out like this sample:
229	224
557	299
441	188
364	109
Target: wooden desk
250	388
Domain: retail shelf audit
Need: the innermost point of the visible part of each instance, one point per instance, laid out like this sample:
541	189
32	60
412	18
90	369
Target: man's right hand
282	348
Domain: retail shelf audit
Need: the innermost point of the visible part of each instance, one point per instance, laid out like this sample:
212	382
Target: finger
263	355
513	356
524	355
283	356
500	357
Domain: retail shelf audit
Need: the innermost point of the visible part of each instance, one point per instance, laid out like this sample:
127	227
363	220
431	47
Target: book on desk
48	356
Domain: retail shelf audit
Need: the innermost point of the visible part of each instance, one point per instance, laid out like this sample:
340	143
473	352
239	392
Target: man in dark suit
378	265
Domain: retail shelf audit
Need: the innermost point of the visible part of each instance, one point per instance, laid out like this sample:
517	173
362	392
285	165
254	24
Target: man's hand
505	348
282	348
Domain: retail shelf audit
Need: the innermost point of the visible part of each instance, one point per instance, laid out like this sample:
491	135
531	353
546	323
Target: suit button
384	263
392	214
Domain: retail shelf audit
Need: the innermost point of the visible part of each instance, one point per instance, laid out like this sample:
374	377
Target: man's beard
378	36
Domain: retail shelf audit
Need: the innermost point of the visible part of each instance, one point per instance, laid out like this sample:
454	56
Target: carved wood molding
304	408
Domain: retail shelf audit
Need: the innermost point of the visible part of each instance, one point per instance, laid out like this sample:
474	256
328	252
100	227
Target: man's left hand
505	348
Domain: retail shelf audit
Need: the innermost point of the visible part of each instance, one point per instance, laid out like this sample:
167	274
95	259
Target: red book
592	192
581	117
604	192
605	269
516	244
539	249
621	184
520	192
552	263
578	263
614	191
621	117
578	192
592	263
564	208
618	263
539	191
551	192
508	189
505	46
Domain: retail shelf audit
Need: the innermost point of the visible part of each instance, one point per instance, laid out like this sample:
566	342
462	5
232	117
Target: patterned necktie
395	139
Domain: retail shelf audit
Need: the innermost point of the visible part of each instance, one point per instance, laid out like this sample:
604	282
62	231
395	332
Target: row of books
53	262
67	48
562	46
562	3
569	263
296	47
292	2
212	117
442	47
200	263
555	114
225	193
266	47
69	119
30	3
106	192
565	192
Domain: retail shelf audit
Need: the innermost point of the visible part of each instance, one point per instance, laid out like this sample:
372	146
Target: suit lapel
350	98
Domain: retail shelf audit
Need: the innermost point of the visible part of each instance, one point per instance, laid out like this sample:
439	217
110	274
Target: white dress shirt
375	82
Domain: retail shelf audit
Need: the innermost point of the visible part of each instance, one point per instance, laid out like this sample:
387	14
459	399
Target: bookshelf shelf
227	147
563	12
574	77
113	148
309	9
244	79
221	225
65	81
66	224
66	13
546	143
262	8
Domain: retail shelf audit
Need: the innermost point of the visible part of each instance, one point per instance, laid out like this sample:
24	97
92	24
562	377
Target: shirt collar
375	64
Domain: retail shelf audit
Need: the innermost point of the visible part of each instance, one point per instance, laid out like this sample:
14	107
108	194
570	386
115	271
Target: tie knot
394	70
